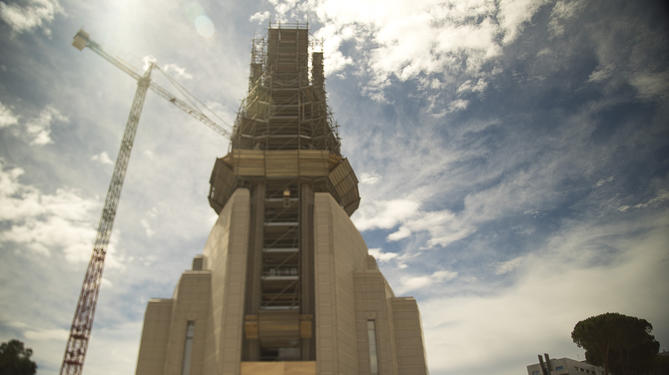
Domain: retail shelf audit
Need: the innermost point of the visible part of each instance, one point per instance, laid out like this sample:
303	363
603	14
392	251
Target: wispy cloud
556	287
651	84
382	256
102	158
385	214
563	11
39	128
7	116
660	198
369	178
259	17
59	335
412	283
508	266
178	70
147	220
36	14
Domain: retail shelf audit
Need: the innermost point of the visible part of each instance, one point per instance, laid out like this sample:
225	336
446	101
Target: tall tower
285	284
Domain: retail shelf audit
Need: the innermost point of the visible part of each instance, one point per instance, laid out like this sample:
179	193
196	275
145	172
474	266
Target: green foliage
15	359
619	343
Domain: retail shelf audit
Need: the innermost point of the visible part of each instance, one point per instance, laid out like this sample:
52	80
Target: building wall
155	333
191	303
373	302
212	298
408	336
339	251
226	253
350	291
566	366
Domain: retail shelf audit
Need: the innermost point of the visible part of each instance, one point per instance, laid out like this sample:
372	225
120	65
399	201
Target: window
188	345
558	368
371	337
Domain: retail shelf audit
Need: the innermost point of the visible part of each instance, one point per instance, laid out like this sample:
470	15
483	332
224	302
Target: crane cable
192	99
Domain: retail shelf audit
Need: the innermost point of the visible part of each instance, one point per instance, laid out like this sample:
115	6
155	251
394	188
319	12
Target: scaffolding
285	147
285	108
281	247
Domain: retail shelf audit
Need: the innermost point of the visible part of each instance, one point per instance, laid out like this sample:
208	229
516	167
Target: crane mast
77	343
82	323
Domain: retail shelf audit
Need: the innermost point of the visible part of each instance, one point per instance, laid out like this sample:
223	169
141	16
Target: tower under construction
285	284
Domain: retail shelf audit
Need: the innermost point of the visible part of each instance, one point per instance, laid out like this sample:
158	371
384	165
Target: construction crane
80	331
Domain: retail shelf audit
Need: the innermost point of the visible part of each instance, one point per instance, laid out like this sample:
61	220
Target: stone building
285	284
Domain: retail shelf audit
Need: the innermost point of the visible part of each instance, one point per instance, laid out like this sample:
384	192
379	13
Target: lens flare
204	26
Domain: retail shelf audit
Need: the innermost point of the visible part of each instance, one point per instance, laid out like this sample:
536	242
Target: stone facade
212	299
350	292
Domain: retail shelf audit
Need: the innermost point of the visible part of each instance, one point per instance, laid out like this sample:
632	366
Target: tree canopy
15	359
619	343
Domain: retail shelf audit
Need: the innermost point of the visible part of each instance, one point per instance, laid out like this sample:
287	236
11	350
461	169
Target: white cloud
282	7
404	38
514	13
369	178
47	334
443	226
178	70
562	11
382	256
147	61
146	222
332	40
384	214
39	128
602	73
411	283
7	116
147	228
34	15
102	158
402	232
472	86
259	17
661	197
62	221
457	105
508	266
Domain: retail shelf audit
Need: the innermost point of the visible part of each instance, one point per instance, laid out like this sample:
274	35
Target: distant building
565	366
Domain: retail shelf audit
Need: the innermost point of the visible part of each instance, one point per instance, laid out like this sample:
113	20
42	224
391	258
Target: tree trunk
606	359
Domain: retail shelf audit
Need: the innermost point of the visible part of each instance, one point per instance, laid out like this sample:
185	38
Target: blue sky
513	158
